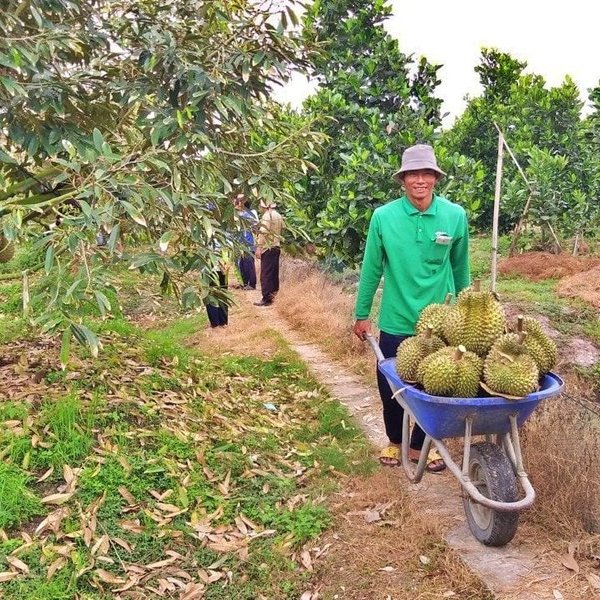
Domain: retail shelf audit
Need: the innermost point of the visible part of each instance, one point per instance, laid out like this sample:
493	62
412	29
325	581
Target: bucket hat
420	156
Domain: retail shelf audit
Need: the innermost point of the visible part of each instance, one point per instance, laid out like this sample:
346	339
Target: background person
246	262
420	244
268	250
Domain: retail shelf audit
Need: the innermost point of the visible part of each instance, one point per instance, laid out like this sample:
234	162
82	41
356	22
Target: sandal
435	463
390	456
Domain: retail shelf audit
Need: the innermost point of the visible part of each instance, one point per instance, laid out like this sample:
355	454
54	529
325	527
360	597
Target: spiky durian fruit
509	369
434	315
453	372
7	249
475	321
541	348
413	350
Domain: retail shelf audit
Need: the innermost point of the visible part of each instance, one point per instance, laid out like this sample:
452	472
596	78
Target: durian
434	315
413	350
475	321
453	372
509	369
541	348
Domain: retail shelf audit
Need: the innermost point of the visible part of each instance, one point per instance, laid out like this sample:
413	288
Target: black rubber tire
492	474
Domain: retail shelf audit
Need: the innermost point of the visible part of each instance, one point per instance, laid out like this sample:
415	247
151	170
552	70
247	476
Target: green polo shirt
421	255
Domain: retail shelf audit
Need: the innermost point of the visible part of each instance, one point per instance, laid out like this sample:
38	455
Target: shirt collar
411	210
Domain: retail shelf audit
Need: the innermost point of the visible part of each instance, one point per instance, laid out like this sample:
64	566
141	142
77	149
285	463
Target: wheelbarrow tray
442	417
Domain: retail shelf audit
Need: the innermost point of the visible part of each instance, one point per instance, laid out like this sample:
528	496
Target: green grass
17	502
591	328
166	343
69	425
221	432
13	410
27	256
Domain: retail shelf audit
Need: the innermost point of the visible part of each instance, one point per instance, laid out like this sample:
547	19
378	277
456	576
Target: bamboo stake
497	210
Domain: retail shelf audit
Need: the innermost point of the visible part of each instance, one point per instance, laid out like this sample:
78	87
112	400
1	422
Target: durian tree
140	119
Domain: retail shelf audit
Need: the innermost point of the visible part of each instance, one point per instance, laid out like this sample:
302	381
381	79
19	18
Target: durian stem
522	335
520	320
448	298
429	331
460	352
477	285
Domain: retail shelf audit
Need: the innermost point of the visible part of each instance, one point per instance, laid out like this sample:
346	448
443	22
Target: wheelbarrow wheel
492	474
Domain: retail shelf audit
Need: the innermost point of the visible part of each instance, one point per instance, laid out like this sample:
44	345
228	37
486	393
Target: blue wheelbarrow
491	469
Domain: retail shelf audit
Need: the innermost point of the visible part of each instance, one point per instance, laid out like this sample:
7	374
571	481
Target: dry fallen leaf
8	575
108	577
121	543
45	475
569	561
58	564
371	516
68	474
192	591
13	561
424	559
126	495
133	526
387	569
101	546
593	580
56	498
557	595
306	560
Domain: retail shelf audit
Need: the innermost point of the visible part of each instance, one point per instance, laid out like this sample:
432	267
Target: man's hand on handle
361	328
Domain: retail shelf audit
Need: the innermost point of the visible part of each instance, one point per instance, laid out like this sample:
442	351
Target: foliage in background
544	130
137	120
370	108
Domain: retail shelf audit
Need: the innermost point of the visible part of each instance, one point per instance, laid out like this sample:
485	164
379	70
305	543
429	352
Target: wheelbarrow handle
375	346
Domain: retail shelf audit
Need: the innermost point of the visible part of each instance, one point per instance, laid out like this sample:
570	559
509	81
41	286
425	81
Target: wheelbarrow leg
414	474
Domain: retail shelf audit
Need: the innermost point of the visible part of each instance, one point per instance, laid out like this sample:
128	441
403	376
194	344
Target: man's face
419	184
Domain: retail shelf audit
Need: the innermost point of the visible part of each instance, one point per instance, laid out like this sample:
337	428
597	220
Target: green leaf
86	337
98	139
245	72
103	302
49	260
134	213
68	146
163	243
12	87
113	237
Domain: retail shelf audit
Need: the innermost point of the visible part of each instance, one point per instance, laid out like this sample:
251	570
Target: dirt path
520	571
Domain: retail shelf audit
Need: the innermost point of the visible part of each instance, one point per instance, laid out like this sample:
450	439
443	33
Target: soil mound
543	265
584	285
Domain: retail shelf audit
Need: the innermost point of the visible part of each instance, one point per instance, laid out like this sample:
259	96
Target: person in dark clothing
246	262
268	251
217	310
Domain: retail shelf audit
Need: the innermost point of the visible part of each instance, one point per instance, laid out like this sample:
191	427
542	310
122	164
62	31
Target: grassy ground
160	471
188	463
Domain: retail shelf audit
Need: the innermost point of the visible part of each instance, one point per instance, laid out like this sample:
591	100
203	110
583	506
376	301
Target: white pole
497	209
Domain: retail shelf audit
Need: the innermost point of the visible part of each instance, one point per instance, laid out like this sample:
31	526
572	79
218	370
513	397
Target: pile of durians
460	348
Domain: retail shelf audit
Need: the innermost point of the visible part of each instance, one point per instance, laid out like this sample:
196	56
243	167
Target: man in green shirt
420	244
